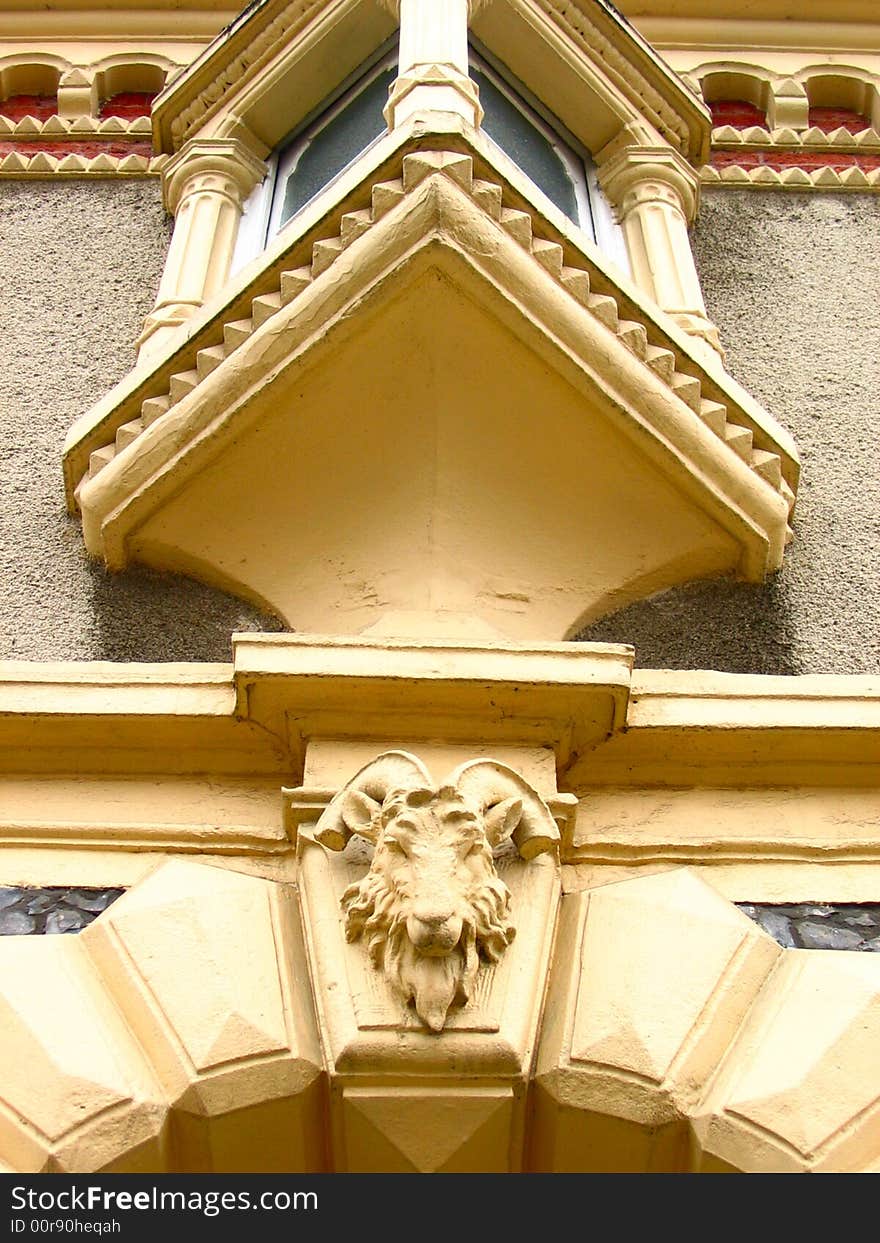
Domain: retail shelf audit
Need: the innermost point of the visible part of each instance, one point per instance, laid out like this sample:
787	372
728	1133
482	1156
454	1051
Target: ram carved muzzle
432	905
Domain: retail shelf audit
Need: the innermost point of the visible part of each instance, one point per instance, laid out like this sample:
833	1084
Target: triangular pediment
433	404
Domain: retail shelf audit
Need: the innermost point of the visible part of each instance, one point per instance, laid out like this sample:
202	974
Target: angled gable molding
436	217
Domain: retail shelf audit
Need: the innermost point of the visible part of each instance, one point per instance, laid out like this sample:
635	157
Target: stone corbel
432	904
788	106
204	186
433	66
655	194
77	95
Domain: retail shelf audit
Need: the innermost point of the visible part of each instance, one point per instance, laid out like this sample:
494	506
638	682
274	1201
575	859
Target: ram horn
350	811
488	782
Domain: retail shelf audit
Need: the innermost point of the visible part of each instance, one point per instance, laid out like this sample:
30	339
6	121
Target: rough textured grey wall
793	282
81	262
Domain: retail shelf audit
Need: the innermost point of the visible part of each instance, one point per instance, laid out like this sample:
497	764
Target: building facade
440	644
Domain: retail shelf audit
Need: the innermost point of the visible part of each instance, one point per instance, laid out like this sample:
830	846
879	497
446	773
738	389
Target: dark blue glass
526	145
337	143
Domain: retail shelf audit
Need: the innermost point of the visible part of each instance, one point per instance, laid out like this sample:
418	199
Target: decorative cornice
250	54
672	767
621	70
701	729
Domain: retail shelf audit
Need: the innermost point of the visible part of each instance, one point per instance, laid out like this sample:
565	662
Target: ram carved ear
502	819
350	812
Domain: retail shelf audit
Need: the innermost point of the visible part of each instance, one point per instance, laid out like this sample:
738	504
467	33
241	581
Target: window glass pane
531	150
336	144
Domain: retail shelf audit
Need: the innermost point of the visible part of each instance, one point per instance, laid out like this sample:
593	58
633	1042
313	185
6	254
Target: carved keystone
432	904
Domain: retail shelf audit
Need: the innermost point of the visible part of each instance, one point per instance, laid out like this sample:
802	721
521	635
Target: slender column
433	65
655	194
205	186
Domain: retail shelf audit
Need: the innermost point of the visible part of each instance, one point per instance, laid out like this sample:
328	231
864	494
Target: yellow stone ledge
107	768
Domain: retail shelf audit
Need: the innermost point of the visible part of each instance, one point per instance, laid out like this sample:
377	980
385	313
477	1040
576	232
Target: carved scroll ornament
432	905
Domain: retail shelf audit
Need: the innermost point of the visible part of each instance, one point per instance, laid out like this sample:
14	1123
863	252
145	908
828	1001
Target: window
339	136
540	145
332	138
347	124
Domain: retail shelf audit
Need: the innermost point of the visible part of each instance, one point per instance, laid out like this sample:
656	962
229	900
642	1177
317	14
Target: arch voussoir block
207	967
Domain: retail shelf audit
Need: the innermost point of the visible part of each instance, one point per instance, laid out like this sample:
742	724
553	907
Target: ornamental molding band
43	164
432	904
162	470
778	144
762	177
76	132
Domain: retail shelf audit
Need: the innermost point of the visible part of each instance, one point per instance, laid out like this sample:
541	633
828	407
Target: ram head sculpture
432	905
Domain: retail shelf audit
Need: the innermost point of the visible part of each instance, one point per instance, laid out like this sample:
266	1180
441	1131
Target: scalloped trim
814	139
59	128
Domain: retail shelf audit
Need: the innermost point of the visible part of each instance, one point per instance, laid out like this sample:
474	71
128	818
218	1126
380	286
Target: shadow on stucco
81	265
177	618
788	279
712	624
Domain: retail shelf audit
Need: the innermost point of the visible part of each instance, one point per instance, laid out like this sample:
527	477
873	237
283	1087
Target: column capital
224	165
655	193
637	174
